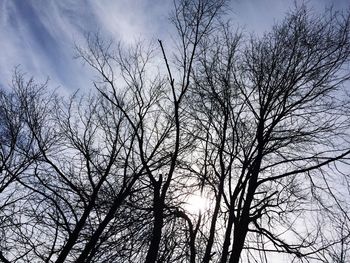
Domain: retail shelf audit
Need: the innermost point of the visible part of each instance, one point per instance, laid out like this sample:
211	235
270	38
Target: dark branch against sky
254	124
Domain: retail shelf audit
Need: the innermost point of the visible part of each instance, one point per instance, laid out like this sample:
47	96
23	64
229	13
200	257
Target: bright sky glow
40	35
195	204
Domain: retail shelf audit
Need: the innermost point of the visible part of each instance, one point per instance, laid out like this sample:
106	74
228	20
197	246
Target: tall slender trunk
207	254
158	206
239	236
241	229
192	248
227	239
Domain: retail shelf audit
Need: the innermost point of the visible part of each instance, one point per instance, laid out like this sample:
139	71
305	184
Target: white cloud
40	34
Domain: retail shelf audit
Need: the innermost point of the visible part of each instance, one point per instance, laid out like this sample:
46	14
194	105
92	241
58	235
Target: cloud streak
39	35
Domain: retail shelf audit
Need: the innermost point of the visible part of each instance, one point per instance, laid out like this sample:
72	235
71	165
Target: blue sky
39	35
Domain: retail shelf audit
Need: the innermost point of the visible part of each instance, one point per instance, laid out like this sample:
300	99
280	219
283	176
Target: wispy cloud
129	20
39	35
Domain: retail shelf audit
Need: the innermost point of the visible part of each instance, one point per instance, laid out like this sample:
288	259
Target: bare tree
157	120
258	126
273	121
18	153
83	159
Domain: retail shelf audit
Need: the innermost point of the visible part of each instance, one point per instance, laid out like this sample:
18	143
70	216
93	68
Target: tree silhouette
257	126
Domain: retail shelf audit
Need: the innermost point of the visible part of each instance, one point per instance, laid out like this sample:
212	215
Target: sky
39	35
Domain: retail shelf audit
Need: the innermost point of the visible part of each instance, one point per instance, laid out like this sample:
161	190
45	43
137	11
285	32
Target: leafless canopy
258	126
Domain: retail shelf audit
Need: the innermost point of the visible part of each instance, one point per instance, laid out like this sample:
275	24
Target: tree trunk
153	249
227	240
